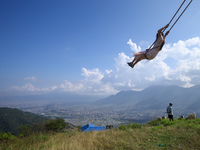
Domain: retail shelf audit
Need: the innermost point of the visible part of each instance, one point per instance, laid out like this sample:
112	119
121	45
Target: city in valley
98	115
123	108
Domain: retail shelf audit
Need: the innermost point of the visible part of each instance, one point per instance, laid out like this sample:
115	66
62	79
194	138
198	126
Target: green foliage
39	126
156	128
56	125
12	119
166	122
181	134
26	129
6	136
79	127
178	123
129	126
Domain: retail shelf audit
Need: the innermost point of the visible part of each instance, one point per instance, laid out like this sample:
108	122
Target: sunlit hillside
163	134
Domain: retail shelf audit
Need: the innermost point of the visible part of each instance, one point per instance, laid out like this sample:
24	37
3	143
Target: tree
39	126
55	125
26	130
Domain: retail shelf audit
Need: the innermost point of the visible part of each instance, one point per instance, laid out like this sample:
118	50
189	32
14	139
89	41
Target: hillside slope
178	134
12	119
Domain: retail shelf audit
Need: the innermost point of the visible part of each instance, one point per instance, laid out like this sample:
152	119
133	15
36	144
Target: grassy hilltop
179	134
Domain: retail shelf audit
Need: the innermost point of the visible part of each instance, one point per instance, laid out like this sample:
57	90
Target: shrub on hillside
6	136
55	125
26	130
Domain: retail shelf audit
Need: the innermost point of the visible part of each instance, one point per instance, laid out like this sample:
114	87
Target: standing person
150	54
170	112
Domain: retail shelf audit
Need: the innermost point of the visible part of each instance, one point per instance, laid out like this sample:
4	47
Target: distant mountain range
151	98
65	98
157	97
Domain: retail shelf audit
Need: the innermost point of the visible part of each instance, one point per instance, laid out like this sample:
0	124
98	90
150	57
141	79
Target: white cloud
53	88
29	87
92	75
69	87
26	87
185	72
187	55
92	84
134	46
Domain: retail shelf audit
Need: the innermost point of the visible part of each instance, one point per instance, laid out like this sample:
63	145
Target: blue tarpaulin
90	127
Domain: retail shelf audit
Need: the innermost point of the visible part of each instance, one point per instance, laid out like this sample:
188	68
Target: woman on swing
150	54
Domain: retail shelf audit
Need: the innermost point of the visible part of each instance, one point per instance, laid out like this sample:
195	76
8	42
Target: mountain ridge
156	97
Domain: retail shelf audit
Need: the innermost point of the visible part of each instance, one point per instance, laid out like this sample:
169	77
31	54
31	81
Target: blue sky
82	46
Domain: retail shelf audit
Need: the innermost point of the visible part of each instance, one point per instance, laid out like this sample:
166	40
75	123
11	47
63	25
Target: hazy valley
122	108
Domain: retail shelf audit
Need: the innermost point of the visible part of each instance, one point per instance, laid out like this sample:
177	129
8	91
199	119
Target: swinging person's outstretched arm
160	30
166	33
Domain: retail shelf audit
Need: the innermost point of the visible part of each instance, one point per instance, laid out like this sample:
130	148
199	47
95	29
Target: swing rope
181	15
173	18
175	13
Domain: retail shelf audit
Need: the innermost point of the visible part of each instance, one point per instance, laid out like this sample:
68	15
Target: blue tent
90	127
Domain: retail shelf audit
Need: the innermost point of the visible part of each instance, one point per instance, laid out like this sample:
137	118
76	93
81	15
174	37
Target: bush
26	130
134	125
6	136
55	125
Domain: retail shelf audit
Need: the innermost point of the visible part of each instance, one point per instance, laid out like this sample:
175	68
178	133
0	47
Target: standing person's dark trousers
170	112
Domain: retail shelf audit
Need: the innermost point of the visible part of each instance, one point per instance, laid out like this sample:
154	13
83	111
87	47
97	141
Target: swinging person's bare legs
131	63
137	57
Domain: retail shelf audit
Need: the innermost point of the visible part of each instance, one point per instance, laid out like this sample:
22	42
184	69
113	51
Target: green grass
178	134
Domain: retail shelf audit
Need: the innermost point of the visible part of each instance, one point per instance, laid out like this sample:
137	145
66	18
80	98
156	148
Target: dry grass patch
167	135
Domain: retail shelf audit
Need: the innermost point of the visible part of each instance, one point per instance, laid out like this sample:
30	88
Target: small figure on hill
170	112
151	53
